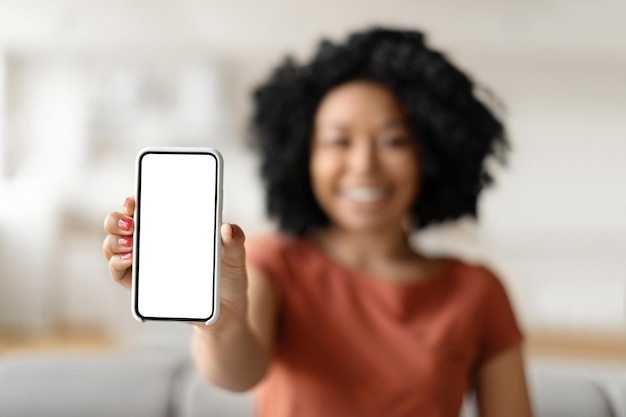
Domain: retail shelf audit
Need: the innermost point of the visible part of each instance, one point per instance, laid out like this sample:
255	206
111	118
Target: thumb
233	264
233	250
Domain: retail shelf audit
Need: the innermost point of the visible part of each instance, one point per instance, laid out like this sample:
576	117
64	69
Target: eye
339	142
393	142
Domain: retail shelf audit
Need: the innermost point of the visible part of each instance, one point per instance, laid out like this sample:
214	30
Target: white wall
554	226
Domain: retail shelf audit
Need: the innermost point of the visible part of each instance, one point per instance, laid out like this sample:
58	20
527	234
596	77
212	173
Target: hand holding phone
176	252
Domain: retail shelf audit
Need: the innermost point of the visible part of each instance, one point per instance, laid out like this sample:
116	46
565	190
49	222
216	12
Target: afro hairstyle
453	128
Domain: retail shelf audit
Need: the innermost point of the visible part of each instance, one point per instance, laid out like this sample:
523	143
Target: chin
363	226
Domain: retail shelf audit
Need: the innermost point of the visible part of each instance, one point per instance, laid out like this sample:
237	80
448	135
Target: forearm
232	358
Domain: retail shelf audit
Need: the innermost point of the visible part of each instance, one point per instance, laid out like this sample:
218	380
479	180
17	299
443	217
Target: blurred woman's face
363	166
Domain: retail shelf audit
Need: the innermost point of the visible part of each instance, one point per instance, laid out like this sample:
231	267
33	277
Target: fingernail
233	232
124	223
125	241
126	256
126	201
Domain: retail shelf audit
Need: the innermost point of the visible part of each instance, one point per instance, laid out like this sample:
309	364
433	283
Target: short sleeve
500	328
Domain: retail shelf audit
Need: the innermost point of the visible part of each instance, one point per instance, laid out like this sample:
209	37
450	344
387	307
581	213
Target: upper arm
502	389
264	306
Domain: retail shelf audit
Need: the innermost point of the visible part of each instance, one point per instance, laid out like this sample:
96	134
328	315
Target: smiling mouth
365	194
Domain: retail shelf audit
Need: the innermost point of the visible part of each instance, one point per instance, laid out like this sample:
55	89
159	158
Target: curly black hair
454	129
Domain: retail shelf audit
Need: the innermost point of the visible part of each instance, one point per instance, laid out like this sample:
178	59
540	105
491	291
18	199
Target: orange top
352	345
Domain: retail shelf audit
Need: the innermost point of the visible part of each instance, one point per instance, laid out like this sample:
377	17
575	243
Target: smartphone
176	243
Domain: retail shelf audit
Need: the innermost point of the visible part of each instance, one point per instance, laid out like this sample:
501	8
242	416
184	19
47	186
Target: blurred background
85	84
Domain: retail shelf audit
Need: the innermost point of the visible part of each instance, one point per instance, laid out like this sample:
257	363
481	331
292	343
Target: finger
233	264
117	223
233	251
119	268
129	206
116	244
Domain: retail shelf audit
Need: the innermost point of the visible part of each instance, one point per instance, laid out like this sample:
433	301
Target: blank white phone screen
176	232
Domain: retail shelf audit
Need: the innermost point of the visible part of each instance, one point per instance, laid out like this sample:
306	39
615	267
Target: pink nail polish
233	232
126	201
126	256
124	223
125	241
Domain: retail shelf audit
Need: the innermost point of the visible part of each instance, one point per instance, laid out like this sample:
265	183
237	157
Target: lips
365	194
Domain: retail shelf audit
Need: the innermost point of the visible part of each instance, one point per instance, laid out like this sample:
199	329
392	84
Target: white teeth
365	195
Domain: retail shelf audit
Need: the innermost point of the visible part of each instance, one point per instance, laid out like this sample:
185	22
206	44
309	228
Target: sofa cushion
200	399
87	385
557	392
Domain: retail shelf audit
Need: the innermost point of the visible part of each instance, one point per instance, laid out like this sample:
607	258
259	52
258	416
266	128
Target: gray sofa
164	384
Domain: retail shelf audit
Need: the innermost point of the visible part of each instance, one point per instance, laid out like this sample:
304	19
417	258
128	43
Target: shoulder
480	286
474	278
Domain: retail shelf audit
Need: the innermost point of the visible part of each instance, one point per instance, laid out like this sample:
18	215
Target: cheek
407	174
403	167
322	168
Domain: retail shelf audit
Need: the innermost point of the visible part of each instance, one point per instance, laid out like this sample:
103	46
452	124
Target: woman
337	314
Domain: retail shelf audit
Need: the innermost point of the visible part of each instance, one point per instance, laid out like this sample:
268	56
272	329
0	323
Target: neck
364	247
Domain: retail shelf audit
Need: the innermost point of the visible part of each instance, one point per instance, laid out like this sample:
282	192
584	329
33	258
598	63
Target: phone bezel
217	222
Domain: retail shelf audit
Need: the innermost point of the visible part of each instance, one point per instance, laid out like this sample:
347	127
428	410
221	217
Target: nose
363	156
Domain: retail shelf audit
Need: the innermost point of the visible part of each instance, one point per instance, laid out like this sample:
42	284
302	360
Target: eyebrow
391	124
